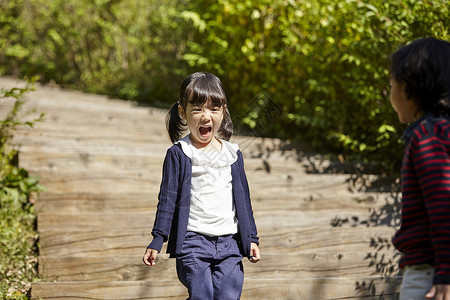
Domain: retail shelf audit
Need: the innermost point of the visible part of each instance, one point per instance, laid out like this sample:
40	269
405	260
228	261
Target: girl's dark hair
424	67
197	89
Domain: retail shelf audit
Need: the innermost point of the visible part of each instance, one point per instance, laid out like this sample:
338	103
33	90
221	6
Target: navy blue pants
211	267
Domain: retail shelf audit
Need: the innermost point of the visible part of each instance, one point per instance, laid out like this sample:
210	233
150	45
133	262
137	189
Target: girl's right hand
150	257
255	253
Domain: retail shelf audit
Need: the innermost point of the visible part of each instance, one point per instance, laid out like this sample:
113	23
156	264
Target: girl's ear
181	112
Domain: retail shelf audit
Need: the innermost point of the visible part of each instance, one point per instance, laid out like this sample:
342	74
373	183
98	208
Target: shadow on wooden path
324	235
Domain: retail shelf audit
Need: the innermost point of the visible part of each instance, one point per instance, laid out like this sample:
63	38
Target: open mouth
204	131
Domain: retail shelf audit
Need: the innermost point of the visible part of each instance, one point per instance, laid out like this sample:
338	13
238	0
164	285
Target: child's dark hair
197	89
424	67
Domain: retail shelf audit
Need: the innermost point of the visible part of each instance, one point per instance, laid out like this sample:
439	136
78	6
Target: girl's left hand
255	255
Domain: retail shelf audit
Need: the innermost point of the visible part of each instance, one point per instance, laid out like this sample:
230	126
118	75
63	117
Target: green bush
18	236
322	64
126	49
326	63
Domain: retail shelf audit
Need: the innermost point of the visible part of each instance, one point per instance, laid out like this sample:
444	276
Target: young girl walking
420	94
204	208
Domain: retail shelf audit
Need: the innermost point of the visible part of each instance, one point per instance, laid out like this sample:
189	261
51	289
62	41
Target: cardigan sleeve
167	199
432	164
253	231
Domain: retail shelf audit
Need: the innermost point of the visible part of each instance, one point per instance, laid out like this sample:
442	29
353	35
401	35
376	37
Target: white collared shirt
212	210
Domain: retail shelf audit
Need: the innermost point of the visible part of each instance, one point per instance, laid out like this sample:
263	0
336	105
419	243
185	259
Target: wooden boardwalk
323	235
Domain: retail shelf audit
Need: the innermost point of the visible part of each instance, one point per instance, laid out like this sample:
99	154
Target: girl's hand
439	292
255	255
150	257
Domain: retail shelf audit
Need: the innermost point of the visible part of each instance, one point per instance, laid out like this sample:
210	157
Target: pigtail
174	124
226	128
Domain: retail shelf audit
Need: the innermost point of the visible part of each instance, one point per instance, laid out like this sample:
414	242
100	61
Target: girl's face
203	123
406	109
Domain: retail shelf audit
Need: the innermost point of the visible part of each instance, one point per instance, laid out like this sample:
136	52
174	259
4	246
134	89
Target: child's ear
181	112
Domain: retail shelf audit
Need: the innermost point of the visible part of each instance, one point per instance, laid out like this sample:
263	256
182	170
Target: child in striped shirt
420	94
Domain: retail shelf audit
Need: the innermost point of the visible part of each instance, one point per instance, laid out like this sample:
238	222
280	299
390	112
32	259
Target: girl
204	208
420	94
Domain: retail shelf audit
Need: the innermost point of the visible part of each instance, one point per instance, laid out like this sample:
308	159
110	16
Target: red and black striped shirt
424	234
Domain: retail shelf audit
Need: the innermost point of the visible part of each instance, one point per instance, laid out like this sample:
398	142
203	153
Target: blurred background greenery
323	65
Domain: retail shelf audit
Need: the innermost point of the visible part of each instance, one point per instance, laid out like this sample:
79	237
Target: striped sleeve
431	162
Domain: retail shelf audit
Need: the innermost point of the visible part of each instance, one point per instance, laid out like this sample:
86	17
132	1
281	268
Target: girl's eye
216	108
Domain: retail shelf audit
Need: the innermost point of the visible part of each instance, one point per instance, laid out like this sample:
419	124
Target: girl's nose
206	116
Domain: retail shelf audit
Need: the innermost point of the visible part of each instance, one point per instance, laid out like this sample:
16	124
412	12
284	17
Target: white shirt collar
222	158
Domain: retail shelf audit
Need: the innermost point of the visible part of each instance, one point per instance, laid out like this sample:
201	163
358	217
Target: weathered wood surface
291	265
116	241
140	200
289	289
274	220
101	159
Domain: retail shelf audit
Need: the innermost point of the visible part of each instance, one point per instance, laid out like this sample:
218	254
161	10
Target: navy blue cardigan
172	213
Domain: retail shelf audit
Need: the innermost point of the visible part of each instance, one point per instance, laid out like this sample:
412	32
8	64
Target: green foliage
18	249
126	49
325	64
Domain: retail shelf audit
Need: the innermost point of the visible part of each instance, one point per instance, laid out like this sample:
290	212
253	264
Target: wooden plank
275	162
323	239
151	176
305	183
93	145
50	156
92	183
99	154
303	288
272	266
63	100
323	288
281	168
322	200
105	134
70	203
49	133
121	290
63	137
110	181
127	241
276	219
108	178
70	162
90	117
